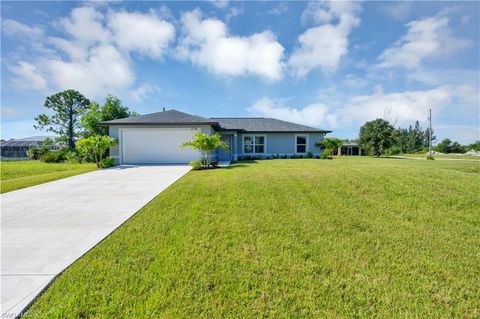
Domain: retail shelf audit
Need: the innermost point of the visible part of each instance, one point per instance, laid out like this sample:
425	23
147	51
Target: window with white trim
254	144
301	143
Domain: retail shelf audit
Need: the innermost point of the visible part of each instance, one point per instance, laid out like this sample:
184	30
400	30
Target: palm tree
329	144
206	144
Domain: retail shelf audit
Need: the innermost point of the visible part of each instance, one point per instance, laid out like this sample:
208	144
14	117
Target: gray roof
36	138
257	124
165	117
260	124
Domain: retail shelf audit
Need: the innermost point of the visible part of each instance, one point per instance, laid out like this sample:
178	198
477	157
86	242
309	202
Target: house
350	149
155	138
18	148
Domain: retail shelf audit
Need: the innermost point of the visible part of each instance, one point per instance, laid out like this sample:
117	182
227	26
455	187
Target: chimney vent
163	109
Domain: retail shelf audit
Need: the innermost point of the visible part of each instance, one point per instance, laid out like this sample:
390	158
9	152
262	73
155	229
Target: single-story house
155	138
18	148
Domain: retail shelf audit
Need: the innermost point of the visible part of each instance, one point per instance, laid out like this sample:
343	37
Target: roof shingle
256	124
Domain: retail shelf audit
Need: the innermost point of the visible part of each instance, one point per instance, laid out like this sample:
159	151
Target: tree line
379	137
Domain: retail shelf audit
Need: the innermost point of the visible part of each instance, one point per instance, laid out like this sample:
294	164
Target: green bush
196	165
309	155
34	153
430	158
393	150
107	162
73	156
323	155
53	157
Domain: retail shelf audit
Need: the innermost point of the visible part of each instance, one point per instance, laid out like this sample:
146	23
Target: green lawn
349	237
21	174
443	156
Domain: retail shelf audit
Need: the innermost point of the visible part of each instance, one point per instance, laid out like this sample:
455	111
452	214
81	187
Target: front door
224	155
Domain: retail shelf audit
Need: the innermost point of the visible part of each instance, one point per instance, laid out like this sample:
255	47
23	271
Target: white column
235	147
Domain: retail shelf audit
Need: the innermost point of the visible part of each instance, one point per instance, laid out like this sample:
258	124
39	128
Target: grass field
444	156
349	237
21	174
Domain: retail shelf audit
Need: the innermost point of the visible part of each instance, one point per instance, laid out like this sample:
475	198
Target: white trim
307	148
253	135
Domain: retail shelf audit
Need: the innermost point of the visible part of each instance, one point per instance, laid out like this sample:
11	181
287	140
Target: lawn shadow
239	164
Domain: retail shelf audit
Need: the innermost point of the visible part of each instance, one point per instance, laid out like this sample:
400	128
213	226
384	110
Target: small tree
68	107
329	145
206	144
111	109
96	146
376	136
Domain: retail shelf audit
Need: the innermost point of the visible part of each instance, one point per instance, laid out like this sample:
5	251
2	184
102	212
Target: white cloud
314	114
324	46
104	71
142	92
220	4
85	24
234	12
424	39
400	108
145	33
354	81
97	51
14	28
27	76
397	10
206	42
278	9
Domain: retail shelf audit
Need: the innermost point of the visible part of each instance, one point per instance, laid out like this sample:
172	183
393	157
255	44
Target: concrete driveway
47	227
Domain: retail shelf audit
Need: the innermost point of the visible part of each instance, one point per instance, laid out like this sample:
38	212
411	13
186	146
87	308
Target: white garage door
157	146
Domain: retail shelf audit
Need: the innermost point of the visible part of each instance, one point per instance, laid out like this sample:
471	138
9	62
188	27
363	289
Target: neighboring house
17	148
155	138
350	149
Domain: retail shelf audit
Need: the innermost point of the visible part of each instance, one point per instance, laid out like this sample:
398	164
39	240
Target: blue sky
333	65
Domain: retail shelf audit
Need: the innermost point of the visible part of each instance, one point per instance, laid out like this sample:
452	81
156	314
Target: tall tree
111	109
68	107
376	136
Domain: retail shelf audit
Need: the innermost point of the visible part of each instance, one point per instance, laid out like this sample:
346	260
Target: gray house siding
283	143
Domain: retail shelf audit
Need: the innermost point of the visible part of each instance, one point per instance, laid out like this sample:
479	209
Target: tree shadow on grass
240	164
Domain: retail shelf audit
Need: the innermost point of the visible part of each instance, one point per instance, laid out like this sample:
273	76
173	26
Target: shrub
214	163
285	156
106	162
309	155
33	153
248	157
429	157
53	157
301	156
393	150
96	146
323	155
196	165
73	156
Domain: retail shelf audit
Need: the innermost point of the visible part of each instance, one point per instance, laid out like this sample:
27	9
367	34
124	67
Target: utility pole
430	133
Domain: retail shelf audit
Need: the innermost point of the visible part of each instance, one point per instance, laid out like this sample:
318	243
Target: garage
156	146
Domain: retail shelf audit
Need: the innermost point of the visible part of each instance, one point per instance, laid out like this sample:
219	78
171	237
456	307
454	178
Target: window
301	143
254	144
